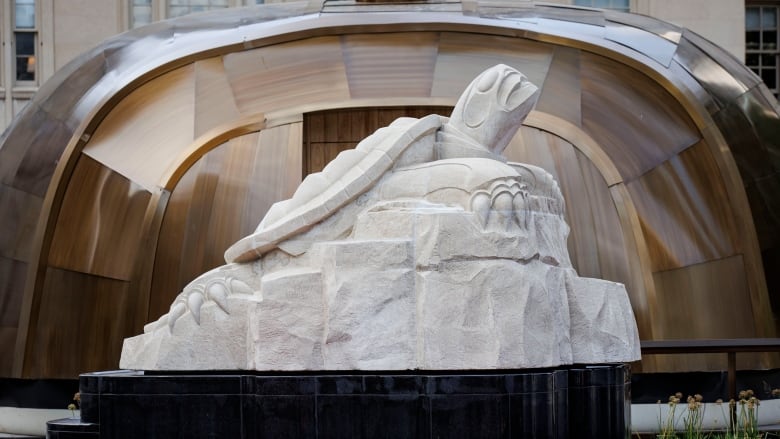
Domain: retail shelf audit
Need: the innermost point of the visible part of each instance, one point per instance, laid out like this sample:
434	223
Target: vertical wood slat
329	132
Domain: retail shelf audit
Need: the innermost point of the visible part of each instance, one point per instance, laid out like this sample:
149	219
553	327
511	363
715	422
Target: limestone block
603	328
219	342
492	314
286	328
371	307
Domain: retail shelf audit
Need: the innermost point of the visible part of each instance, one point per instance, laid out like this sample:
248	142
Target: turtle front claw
215	286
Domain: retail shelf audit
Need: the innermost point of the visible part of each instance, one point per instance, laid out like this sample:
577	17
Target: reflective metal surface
170	127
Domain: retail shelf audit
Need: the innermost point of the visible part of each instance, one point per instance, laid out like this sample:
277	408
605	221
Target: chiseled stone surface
422	248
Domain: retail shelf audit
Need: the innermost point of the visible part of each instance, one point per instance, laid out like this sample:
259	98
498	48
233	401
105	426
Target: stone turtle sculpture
422	248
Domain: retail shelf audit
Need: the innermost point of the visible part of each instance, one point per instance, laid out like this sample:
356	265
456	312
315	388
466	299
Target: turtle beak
514	90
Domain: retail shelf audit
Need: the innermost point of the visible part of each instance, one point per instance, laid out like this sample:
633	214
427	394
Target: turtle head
491	109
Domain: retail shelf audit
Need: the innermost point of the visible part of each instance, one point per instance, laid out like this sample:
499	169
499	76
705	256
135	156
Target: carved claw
218	293
194	302
177	310
481	206
216	286
502	206
519	204
212	286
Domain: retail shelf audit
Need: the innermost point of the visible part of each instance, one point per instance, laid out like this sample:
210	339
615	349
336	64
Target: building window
25	42
761	43
620	5
140	13
177	8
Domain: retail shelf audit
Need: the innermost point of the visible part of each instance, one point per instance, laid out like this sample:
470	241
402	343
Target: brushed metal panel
142	136
7	342
18	218
12	277
29	156
754	106
288	75
463	56
560	92
731	65
663	29
689	85
98	229
754	138
81	323
638	123
70	100
683	205
382	65
647	43
566	13
721	84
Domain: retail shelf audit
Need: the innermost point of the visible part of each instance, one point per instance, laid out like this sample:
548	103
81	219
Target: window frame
160	10
612	6
761	53
15	82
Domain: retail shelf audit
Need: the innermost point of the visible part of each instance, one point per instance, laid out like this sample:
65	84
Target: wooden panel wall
85	304
327	133
100	225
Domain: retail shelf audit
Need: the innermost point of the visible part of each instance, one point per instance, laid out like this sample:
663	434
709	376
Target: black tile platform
580	401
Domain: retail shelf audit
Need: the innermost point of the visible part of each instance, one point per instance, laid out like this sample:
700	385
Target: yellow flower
71	407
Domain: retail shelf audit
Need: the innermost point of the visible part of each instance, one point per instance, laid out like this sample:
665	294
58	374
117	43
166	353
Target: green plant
746	416
741	421
75	404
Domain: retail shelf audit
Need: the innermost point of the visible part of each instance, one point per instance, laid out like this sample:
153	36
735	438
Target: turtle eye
487	81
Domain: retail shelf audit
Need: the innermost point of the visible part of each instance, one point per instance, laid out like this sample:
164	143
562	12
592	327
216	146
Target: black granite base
581	402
